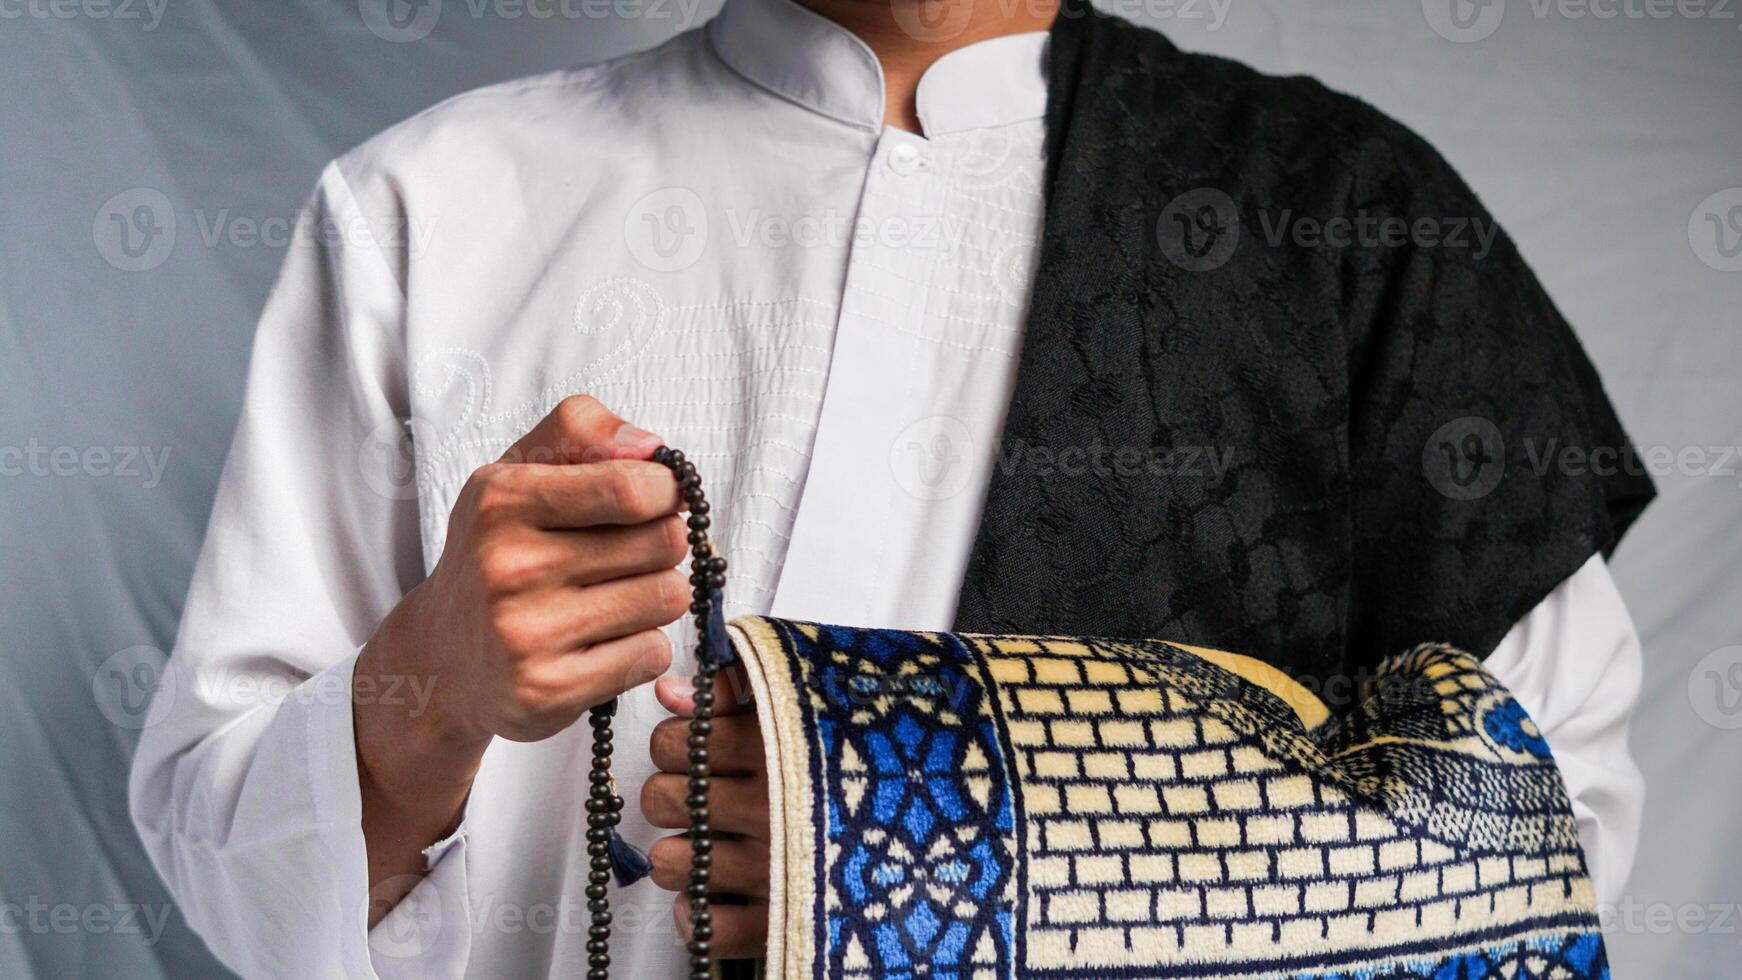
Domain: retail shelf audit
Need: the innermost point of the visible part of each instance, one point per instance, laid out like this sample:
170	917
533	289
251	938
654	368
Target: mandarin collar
806	58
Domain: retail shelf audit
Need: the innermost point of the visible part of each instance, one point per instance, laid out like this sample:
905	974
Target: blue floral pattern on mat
917	804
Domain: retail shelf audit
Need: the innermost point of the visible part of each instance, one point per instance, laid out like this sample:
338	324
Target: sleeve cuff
1575	664
427	934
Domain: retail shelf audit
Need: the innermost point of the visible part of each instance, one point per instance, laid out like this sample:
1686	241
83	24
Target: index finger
619	491
581	430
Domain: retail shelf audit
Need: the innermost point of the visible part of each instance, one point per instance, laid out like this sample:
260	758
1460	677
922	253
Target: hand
737	805
559	568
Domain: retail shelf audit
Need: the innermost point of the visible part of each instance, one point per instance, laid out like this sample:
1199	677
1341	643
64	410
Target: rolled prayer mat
963	807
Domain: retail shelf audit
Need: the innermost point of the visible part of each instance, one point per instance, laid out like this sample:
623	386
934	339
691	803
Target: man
800	244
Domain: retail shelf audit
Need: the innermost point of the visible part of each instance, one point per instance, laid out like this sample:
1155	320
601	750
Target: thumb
732	695
581	430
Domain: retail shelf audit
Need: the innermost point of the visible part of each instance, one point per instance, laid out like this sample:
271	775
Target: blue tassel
628	864
719	651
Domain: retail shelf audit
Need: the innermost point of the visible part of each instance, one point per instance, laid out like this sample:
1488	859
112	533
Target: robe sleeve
1486	462
244	788
1576	665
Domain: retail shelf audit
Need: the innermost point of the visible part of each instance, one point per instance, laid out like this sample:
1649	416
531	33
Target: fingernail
637	438
681	686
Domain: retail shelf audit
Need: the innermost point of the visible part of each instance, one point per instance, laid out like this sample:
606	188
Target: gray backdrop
155	150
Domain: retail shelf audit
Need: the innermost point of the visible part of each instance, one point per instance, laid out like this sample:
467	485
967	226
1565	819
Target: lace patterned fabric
1285	387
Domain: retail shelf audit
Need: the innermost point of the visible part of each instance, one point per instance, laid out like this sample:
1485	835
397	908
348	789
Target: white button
904	159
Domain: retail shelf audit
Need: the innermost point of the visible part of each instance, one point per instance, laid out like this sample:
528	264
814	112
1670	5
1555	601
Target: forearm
414	767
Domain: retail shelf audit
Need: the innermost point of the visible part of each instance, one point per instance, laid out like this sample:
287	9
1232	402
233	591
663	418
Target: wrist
414	745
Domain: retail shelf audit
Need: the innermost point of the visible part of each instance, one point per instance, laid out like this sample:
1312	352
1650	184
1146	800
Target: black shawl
1242	424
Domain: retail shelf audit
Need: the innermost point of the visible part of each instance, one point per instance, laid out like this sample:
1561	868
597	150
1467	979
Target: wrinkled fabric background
152	155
